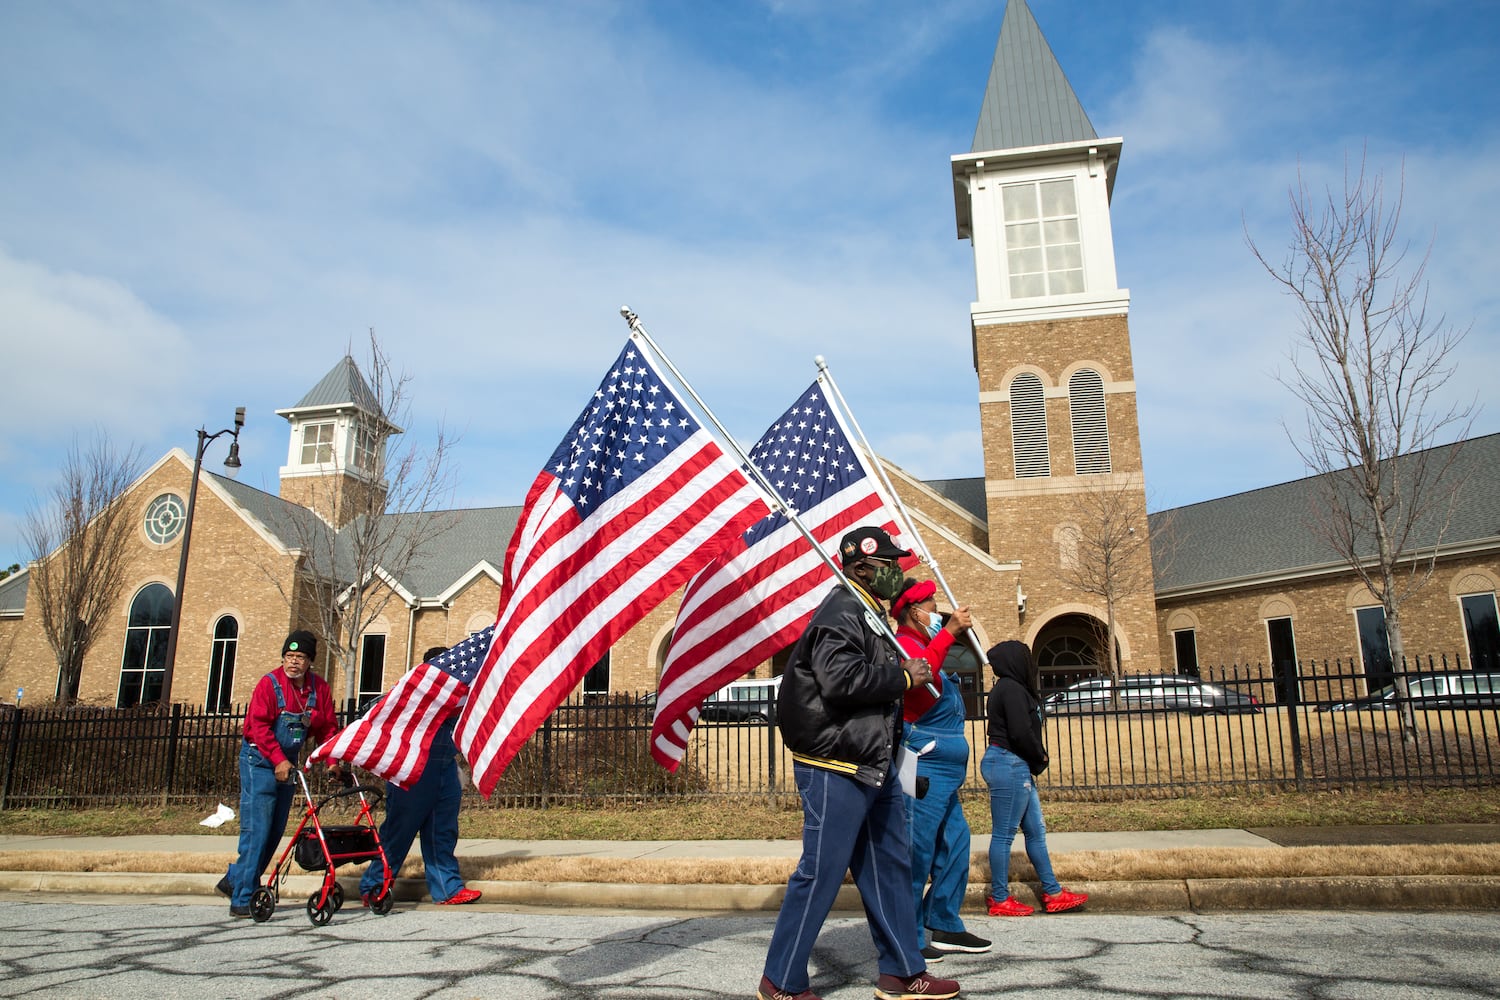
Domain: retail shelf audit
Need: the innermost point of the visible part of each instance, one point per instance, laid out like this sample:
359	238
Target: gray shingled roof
475	535
1028	100
342	386
1271	530
290	523
13	592
965	493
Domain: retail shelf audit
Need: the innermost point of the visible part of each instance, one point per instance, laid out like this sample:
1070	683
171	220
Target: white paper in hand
906	770
219	817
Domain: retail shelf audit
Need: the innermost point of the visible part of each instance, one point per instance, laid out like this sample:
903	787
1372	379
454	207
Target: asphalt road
163	949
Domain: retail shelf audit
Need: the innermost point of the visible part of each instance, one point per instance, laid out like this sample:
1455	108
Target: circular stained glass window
165	517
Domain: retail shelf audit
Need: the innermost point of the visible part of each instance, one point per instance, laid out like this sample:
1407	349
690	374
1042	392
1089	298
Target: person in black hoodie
1016	754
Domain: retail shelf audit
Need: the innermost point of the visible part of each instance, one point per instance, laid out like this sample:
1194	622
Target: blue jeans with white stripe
847	826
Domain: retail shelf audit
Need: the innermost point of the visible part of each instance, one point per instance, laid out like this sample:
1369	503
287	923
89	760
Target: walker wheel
337	897
262	905
383	905
319	915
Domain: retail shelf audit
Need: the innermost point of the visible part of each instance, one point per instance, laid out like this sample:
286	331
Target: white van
742	701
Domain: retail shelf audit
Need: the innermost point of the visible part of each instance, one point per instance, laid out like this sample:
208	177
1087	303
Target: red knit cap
912	595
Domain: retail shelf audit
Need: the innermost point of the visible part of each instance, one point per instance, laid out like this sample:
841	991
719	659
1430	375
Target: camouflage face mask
887	581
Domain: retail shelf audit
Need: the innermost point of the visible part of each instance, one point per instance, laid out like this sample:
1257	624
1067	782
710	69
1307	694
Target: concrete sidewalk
1168	895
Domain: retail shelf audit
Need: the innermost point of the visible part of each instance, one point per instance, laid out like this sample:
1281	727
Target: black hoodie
1015	715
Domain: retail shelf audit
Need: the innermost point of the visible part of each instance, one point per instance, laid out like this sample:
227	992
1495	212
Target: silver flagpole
779	505
906	518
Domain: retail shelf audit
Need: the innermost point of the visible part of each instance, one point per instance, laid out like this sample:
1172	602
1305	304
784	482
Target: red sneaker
918	987
1064	900
770	991
460	897
1010	906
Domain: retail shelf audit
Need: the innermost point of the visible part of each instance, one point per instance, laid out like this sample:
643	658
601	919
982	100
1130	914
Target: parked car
742	701
1153	693
1458	689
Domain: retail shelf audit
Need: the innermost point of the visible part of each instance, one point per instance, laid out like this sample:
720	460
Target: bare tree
78	542
381	530
1370	366
1109	555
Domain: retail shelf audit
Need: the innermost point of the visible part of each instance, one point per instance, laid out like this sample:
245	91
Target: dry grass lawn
1079	866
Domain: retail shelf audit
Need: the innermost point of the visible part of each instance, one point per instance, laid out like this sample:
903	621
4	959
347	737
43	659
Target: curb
1167	896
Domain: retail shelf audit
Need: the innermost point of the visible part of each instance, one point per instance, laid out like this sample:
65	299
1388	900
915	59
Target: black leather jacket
840	702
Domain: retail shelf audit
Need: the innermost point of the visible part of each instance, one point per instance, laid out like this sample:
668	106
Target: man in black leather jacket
839	711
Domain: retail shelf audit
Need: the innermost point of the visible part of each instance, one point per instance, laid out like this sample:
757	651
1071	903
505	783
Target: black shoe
932	955
957	941
224	888
239	911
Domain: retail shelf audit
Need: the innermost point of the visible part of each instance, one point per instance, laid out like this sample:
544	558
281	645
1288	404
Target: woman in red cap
934	729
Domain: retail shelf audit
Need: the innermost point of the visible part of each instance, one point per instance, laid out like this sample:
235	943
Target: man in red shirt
290	707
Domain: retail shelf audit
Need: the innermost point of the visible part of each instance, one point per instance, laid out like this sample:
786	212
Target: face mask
887	582
934	624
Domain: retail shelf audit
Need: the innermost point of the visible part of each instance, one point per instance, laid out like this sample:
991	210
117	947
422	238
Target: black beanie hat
301	641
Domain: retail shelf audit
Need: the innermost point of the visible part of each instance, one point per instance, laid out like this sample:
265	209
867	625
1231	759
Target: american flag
635	500
755	600
394	735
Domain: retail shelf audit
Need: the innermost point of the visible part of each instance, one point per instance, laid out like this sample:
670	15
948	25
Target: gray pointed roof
342	386
1028	100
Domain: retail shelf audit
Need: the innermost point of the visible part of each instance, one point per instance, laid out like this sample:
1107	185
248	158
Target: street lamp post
232	463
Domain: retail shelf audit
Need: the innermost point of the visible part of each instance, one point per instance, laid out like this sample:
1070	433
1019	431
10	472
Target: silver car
1152	693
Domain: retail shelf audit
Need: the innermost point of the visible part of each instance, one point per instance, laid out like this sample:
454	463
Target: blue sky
203	205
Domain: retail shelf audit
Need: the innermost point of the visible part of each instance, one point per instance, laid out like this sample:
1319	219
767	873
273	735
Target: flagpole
637	329
901	511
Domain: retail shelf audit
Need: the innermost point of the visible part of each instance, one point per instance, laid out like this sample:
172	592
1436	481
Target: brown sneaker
770	991
918	987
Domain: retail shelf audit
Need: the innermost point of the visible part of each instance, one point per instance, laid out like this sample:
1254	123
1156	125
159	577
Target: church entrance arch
1068	650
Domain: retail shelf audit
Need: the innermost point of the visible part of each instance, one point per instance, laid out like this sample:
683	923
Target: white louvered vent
1090	425
1028	426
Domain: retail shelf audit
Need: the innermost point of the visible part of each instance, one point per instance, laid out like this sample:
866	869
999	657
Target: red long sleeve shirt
260	718
918	698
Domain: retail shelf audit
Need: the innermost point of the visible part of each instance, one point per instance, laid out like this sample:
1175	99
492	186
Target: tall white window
362	447
1090	424
1043	249
221	664
1028	426
317	443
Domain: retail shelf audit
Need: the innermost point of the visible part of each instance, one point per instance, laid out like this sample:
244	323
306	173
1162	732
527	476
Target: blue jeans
939	834
847	826
428	809
265	804
1014	803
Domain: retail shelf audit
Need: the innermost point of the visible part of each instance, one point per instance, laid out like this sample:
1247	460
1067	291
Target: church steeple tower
1051	344
335	461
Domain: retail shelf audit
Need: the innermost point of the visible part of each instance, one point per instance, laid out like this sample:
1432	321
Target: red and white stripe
573	584
743	609
393	737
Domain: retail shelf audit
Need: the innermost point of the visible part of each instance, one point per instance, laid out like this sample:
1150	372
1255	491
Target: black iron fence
1318	726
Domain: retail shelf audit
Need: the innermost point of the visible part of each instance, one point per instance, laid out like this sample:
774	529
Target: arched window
221	665
145	660
1090	426
1028	426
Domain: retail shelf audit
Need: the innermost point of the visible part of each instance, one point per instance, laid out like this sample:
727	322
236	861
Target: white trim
1081	305
482	568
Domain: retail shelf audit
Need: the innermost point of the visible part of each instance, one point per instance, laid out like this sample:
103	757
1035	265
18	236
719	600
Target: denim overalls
265	803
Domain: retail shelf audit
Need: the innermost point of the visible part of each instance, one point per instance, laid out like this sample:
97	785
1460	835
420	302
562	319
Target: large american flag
634	501
393	737
756	599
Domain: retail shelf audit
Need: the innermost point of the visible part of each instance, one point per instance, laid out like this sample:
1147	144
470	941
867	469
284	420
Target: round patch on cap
292	646
868	546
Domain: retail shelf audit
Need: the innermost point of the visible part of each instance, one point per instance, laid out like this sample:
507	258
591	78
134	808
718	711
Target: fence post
174	733
771	751
1293	691
12	755
546	759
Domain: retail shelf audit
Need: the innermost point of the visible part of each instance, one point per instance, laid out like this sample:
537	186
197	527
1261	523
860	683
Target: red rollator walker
319	848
